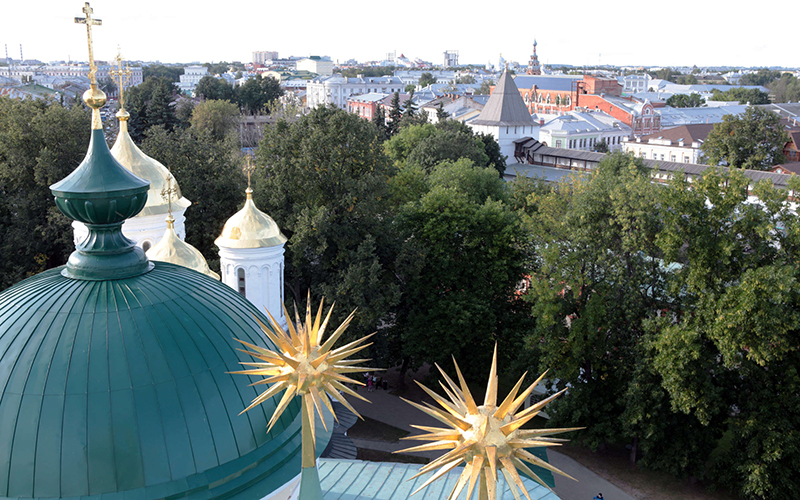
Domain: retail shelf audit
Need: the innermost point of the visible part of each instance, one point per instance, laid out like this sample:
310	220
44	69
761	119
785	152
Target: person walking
598	497
369	383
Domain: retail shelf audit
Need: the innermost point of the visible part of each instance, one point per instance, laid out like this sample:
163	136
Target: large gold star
304	365
488	438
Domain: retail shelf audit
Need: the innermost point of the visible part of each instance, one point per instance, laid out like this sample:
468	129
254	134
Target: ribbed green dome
119	388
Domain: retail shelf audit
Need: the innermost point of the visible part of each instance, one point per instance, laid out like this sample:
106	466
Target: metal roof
357	480
560	83
505	106
120	389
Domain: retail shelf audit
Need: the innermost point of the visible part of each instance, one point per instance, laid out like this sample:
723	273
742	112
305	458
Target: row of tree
251	97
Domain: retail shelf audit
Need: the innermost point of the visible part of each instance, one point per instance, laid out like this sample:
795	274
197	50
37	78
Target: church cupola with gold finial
149	225
251	255
172	249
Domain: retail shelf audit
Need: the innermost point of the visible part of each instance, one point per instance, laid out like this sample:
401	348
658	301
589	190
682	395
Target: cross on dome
89	22
122	77
248	169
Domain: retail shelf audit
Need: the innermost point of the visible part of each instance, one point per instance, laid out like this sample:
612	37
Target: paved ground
392	410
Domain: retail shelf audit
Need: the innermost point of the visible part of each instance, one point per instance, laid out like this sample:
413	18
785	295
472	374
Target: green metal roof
357	480
119	389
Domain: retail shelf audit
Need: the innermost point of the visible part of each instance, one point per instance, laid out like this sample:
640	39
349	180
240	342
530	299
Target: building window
685	159
240	283
558	144
655	156
672	158
662	157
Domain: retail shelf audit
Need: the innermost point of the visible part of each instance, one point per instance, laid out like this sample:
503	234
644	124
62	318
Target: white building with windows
678	145
251	258
322	66
635	83
336	89
191	77
584	130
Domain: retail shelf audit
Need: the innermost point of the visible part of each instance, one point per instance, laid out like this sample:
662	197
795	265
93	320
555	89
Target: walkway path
392	410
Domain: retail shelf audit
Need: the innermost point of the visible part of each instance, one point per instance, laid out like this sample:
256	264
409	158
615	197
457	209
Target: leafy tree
219	118
491	148
217	68
460	265
601	146
257	92
325	182
466	79
107	85
763	77
729	353
40	143
210	87
426	79
786	88
486	87
448	145
752	140
367	71
686	101
208	171
171	73
410	88
685	79
596	285
150	103
744	96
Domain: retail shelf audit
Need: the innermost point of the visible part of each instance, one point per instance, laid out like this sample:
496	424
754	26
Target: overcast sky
578	32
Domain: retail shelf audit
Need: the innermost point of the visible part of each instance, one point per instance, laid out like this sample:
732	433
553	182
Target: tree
219	118
729	353
744	96
210	176
324	179
466	79
486	87
686	101
460	265
786	88
448	145
441	114
395	115
491	148
379	119
41	142
107	85
210	87
752	140
426	79
150	103
257	92
763	77
601	146
410	88
171	73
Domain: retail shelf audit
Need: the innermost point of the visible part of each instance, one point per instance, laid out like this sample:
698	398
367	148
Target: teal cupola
102	194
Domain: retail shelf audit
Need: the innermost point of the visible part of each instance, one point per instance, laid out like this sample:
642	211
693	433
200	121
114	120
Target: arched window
240	283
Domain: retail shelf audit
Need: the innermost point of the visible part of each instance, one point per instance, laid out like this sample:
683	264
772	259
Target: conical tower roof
505	107
250	228
176	251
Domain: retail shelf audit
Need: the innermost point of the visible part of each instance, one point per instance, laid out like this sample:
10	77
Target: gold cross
167	193
122	76
89	22
248	169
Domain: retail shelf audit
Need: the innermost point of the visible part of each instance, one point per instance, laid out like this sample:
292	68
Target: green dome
119	388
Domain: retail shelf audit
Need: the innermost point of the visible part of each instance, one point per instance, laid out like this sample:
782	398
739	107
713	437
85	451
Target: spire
101	194
171	248
505	106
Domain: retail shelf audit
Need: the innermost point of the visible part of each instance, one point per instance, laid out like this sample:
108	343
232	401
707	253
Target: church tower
534	68
146	228
251	257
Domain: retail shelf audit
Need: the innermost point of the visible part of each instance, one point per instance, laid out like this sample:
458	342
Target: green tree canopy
171	73
219	118
149	104
40	144
324	179
752	140
426	78
744	96
210	87
686	101
257	92
762	77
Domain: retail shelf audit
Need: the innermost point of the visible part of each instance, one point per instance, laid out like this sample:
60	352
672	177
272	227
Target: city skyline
584	34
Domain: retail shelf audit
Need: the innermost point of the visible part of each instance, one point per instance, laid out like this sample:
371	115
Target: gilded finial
248	170
94	97
122	76
166	194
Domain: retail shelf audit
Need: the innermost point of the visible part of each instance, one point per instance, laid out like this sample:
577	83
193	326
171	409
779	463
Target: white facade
191	77
635	83
322	91
67	71
665	150
322	67
257	274
145	230
506	135
584	130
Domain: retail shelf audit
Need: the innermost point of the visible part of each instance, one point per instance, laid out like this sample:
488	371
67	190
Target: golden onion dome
176	251
250	228
141	165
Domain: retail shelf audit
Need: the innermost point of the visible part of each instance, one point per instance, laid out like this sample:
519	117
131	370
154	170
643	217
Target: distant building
635	83
534	68
450	58
191	77
640	116
678	145
792	148
584	130
322	66
336	89
365	106
264	56
32	73
551	94
463	108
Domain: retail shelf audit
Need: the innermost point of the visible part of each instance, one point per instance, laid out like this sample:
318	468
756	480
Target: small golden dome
132	158
176	251
250	228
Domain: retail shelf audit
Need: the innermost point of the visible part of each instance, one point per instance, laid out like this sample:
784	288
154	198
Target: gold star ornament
305	364
488	438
